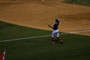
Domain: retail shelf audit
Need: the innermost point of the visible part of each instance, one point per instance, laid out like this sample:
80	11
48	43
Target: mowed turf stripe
42	36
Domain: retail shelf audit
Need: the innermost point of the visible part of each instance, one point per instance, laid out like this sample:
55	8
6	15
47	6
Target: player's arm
61	21
50	26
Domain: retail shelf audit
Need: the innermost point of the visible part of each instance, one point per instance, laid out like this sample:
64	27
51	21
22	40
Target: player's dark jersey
55	26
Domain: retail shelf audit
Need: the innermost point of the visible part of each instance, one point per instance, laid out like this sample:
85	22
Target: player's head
57	21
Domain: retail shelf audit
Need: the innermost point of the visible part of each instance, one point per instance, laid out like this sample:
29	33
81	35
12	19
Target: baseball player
55	32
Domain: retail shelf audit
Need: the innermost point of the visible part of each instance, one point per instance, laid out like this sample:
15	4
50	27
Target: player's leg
59	38
52	37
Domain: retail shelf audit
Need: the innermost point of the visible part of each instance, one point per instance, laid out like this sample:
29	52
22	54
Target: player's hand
61	21
49	25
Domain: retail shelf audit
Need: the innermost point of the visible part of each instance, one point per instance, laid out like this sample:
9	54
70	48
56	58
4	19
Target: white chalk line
42	36
24	38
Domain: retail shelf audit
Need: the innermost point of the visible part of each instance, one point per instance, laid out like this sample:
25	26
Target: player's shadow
55	40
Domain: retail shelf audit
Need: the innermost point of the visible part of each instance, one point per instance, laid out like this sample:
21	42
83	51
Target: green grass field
79	2
76	47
